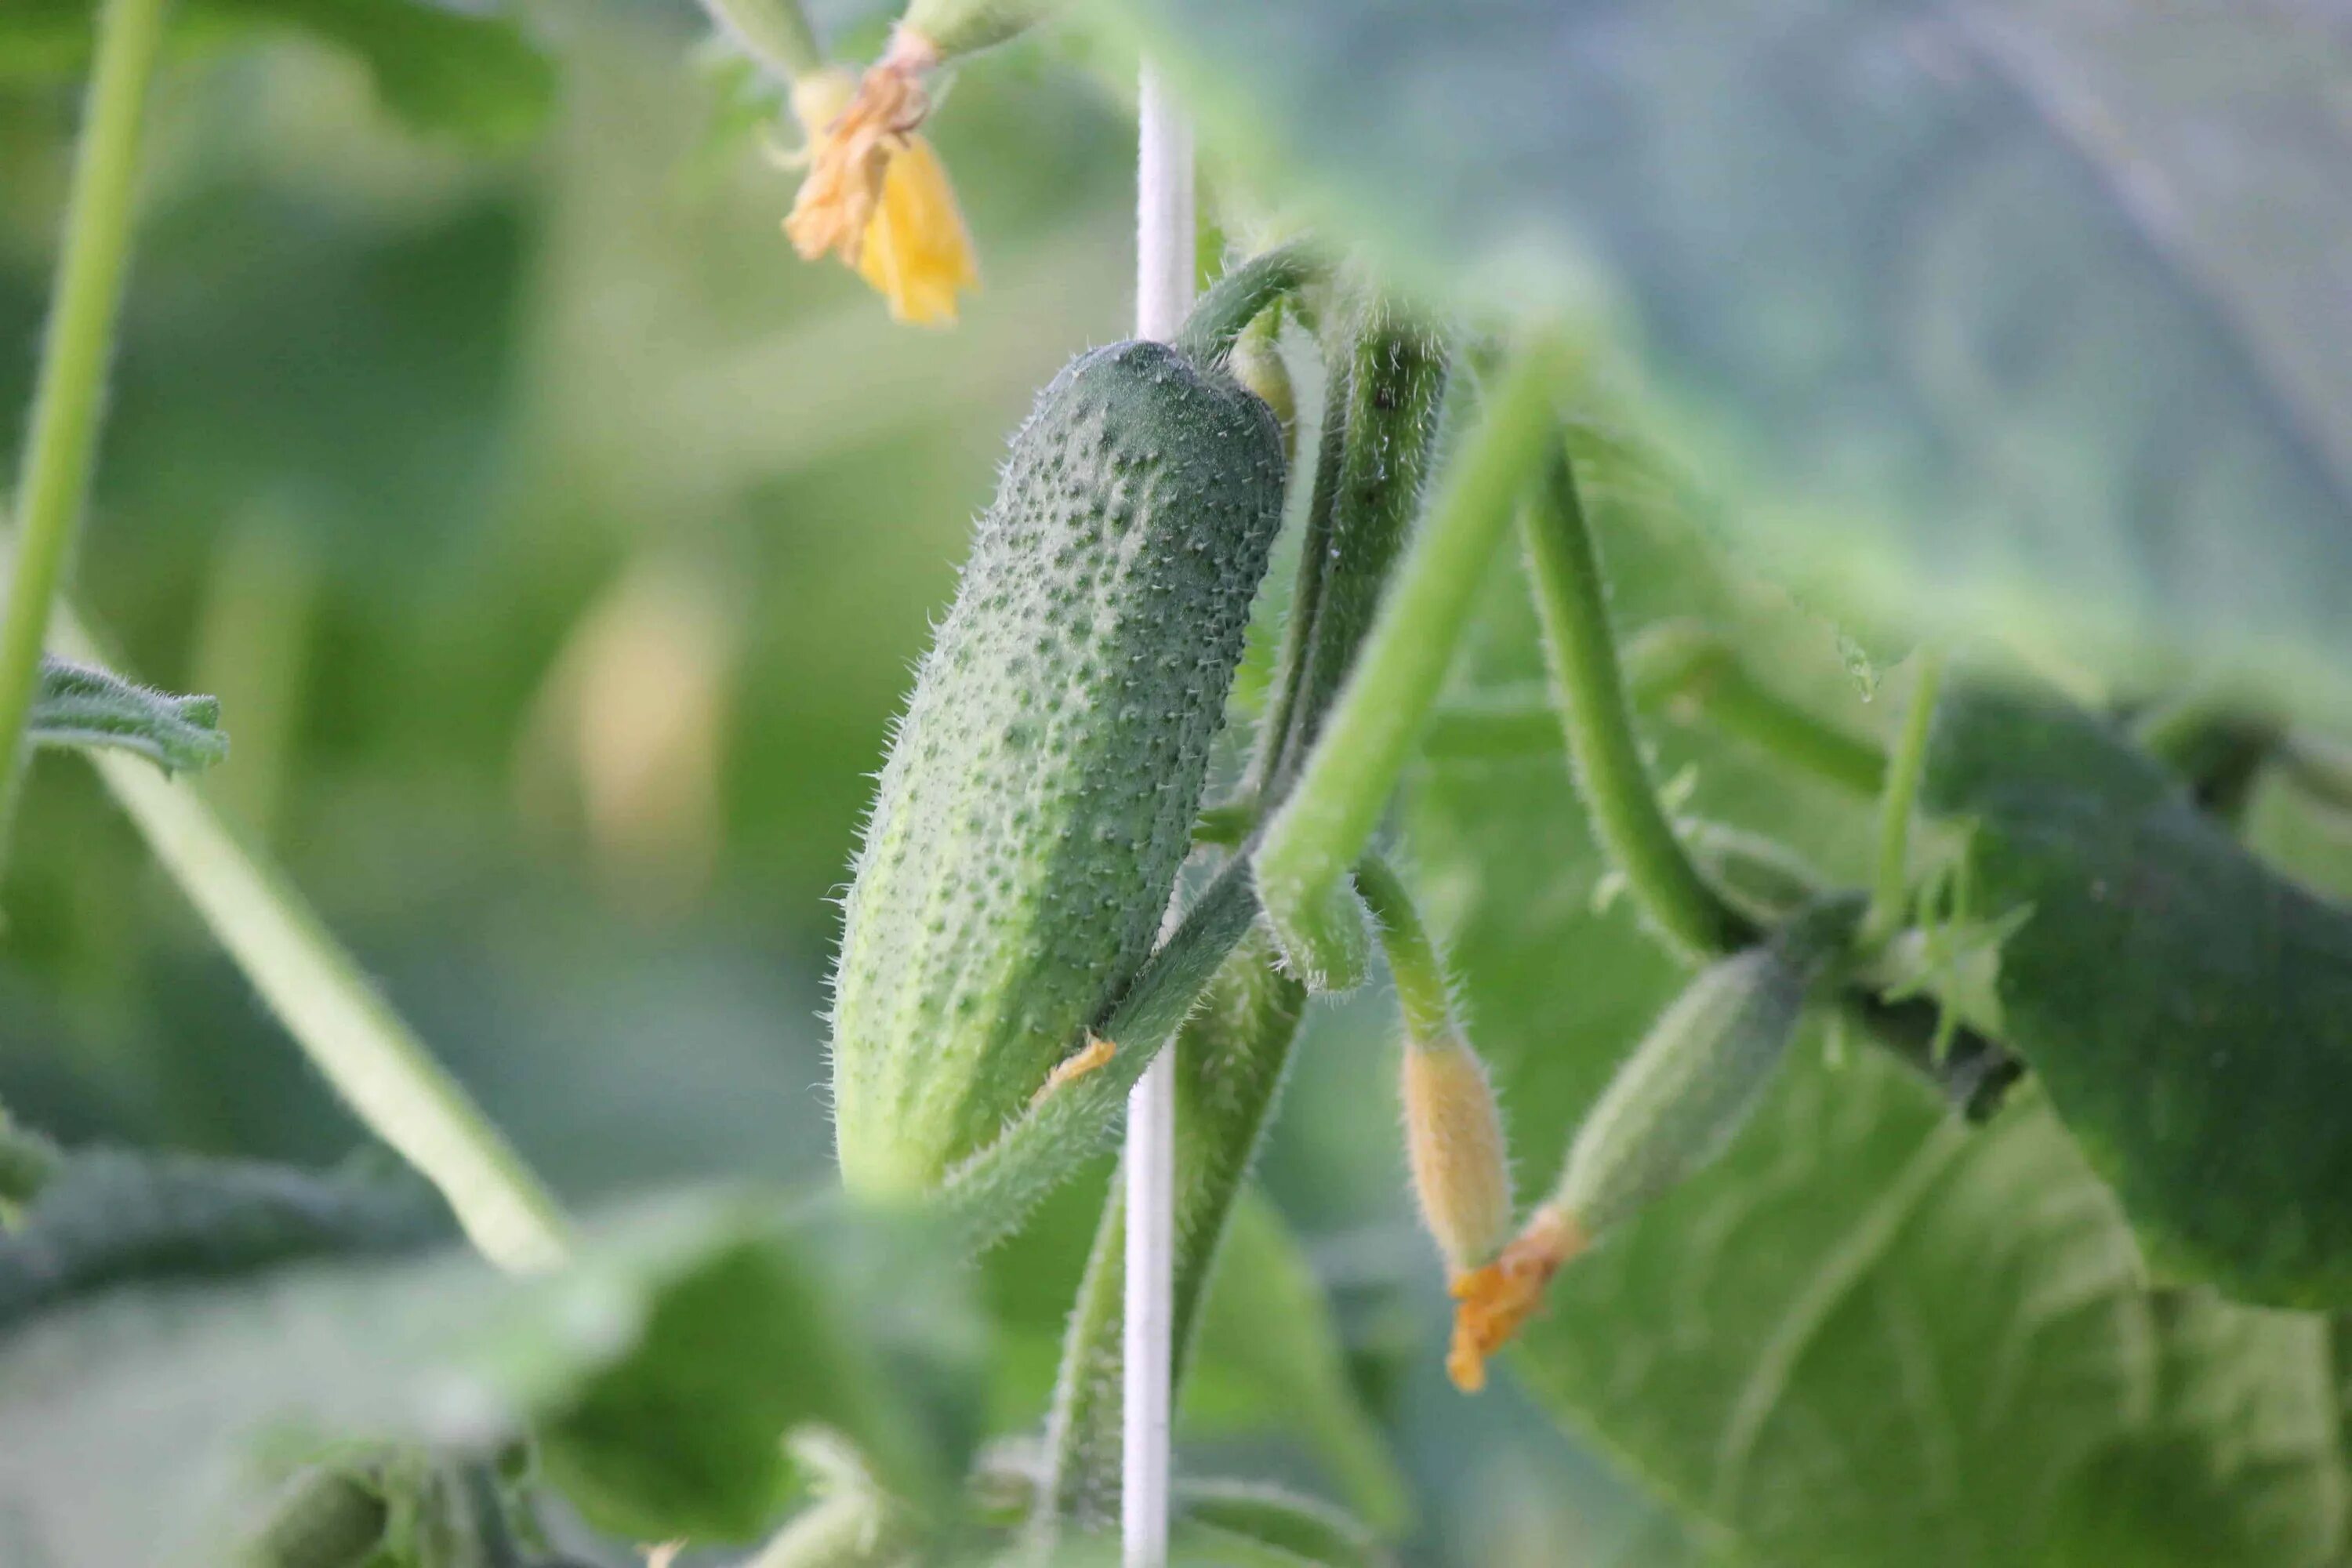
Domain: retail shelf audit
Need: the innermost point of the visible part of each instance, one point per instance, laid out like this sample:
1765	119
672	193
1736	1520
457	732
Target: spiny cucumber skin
1041	789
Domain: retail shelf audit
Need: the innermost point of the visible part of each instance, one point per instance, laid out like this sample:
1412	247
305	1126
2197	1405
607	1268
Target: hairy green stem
1240	297
1325	823
1571	602
990	1195
1890	883
1387	384
1231	1057
380	1069
53	485
1424	996
1315	562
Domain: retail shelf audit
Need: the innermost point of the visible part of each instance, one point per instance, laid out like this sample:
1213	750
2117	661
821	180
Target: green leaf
1269	1355
710	1324
2189	1009
2015	318
76	705
1295	1529
1867	1335
451	69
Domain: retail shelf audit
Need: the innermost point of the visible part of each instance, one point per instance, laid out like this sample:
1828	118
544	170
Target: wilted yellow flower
1490	1304
876	194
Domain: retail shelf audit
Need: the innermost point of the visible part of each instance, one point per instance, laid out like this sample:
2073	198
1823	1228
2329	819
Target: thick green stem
380	1069
1314	561
1328	818
1571	600
1388	382
54	484
1890	885
1230	1061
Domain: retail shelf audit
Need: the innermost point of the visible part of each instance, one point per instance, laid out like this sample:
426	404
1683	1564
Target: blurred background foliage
558	547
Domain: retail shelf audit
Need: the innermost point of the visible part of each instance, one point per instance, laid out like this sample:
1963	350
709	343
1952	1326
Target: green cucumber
1040	790
2187	1009
1689	1086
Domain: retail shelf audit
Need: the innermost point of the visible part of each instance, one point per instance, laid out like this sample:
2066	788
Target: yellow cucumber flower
876	194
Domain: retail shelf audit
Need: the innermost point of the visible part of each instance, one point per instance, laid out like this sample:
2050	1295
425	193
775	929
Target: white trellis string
1163	289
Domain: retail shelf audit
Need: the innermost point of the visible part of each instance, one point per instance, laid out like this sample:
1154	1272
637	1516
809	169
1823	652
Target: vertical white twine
1163	290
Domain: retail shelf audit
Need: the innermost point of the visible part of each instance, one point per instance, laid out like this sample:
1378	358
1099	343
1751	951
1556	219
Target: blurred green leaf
709	1323
446	68
1869	1335
1292	1528
76	705
106	1217
2021	318
2189	1010
1269	1355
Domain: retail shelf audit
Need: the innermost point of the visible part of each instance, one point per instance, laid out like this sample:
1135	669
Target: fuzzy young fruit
1678	1101
1454	1144
1040	790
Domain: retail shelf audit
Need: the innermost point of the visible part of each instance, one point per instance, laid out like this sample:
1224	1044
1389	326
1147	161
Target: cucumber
1040	791
1673	1106
2187	1009
1683	1093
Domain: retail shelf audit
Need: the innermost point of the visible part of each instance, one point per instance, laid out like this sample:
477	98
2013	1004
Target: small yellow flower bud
1454	1142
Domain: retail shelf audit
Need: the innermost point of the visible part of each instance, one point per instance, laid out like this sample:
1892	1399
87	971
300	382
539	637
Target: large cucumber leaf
1869	1334
172	1372
2189	1009
2025	317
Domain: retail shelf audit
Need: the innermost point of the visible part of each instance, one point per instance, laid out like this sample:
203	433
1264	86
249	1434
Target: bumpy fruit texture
2187	1009
1678	1099
1686	1090
1040	793
1453	1142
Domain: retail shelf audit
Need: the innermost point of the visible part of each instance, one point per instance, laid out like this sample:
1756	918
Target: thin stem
1165	233
1423	994
1323	826
1680	666
1905	771
776	33
1240	297
54	483
1571	600
350	1033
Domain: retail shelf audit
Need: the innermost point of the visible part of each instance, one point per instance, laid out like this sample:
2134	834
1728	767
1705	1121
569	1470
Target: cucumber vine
1093	851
